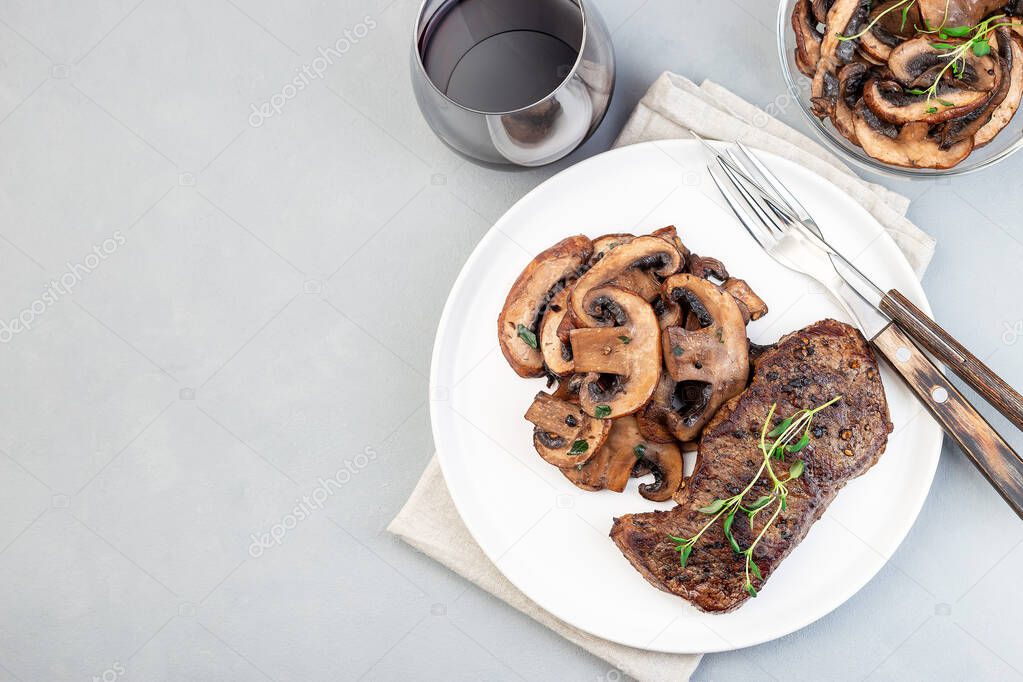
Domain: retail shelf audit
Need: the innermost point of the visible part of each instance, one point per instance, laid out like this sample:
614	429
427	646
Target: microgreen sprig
905	5
790	436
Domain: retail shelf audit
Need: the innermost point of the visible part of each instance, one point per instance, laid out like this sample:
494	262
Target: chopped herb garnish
527	336
625	339
677	351
579	447
602	411
640	451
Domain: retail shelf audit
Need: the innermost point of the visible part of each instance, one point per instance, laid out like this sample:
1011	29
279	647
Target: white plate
551	539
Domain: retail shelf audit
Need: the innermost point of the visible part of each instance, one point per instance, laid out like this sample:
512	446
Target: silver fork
773	222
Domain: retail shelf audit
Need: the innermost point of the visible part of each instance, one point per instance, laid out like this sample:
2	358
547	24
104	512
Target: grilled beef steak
804	370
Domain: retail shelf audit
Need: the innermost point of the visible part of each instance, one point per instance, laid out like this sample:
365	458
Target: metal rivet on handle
903	354
939	395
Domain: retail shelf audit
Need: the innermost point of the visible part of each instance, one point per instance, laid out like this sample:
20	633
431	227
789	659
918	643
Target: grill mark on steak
803	370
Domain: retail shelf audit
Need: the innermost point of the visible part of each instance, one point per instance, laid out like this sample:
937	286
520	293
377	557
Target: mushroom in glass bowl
912	88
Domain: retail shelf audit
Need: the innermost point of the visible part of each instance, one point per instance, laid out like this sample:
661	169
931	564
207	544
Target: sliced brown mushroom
645	253
670	235
665	418
563	434
713	359
556	351
937	13
910	146
545	276
611	466
808	38
664	461
624	453
751	306
851	80
917	62
608	242
1004	112
891	102
964	127
893	22
845	18
620	353
706	268
820	10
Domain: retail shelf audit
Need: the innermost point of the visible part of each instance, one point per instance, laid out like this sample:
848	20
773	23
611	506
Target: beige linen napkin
670	109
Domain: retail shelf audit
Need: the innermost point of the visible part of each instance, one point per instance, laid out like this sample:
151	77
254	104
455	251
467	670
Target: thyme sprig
790	436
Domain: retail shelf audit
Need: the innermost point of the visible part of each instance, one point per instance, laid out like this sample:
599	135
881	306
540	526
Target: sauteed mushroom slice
705	267
653	419
519	322
851	80
1004	112
670	235
911	146
916	63
892	103
845	18
751	306
557	353
808	38
959	129
608	242
712	362
611	467
563	434
620	354
665	462
937	13
646	253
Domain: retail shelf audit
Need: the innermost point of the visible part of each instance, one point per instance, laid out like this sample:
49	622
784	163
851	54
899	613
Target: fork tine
733	200
767	213
773	182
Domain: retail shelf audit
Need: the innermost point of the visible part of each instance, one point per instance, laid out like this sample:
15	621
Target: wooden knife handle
988	451
965	364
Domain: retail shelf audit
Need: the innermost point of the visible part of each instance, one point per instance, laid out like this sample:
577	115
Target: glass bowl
1006	143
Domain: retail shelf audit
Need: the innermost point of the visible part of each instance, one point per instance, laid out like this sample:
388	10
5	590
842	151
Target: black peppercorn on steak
803	370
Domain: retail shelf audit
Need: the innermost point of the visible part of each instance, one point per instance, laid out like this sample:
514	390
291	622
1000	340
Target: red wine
501	55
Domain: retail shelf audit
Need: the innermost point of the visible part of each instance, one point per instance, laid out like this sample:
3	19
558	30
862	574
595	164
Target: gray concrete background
251	310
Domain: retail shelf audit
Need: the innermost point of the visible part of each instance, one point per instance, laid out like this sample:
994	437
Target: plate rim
918	295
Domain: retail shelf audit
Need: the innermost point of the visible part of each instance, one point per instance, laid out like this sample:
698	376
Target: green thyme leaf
527	336
944	46
796	470
684	553
945	103
957	31
751	590
905	17
915	91
712	508
729	520
761	502
755	570
800	444
932	110
602	411
640	451
677	351
780	429
624	339
579	447
981	47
